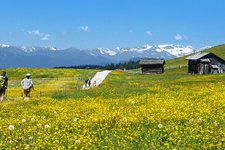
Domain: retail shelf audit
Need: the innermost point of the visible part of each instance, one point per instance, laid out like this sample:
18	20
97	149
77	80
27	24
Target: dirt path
98	78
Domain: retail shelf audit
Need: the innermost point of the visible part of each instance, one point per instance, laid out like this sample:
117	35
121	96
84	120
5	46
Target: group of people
88	83
26	83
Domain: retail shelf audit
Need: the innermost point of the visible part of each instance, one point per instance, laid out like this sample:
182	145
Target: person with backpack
3	85
27	85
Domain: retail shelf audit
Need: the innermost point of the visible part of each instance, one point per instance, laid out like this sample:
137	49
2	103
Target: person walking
89	82
3	85
86	83
94	84
27	85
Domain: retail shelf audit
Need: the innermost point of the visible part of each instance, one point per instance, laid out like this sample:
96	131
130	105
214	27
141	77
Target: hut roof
197	56
151	61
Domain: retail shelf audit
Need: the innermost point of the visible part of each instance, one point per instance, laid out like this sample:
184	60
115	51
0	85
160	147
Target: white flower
192	104
133	102
46	126
30	137
76	119
200	120
32	119
77	141
55	112
11	127
215	123
23	120
191	120
10	141
160	126
124	119
42	117
0	118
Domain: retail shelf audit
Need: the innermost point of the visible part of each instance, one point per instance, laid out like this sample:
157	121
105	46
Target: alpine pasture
174	110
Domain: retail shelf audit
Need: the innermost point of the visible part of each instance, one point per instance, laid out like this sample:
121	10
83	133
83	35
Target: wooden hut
205	63
152	66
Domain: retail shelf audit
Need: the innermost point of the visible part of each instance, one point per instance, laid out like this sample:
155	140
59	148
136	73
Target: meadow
174	110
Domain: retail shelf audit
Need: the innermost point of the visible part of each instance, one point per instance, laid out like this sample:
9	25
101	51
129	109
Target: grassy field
173	110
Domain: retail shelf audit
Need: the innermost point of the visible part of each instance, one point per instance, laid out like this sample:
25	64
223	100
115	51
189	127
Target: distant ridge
48	57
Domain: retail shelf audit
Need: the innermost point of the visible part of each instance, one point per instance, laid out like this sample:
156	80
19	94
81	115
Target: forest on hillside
123	65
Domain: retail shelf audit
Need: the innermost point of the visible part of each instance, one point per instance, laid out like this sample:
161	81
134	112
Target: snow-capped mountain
176	50
166	51
22	56
4	45
35	48
34	56
28	49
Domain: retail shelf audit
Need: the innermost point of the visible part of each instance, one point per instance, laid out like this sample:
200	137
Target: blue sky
88	24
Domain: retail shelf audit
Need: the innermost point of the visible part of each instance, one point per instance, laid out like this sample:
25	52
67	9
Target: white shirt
26	83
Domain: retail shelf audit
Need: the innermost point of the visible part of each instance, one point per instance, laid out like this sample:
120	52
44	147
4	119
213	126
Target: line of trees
126	65
123	65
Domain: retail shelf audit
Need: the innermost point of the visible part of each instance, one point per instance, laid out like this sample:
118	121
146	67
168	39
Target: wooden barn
205	63
152	66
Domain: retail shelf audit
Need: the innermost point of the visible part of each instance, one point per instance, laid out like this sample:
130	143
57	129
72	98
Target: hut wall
193	66
198	67
216	61
219	63
152	69
204	68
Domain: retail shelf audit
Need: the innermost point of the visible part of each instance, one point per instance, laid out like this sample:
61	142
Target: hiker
94	84
89	83
3	85
86	83
27	86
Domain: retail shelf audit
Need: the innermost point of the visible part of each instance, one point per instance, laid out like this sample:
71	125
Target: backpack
2	81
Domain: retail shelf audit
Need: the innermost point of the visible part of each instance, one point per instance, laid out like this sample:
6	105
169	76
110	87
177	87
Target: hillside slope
218	50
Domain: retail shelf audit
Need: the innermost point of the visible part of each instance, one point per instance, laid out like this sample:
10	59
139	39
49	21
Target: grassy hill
218	50
174	110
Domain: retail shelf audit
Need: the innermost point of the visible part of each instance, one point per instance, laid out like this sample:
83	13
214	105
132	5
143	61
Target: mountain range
23	56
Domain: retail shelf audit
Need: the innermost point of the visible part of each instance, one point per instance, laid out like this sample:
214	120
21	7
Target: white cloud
149	33
178	37
39	34
84	28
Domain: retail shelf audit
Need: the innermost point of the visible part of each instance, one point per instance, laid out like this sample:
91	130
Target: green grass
122	85
20	73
